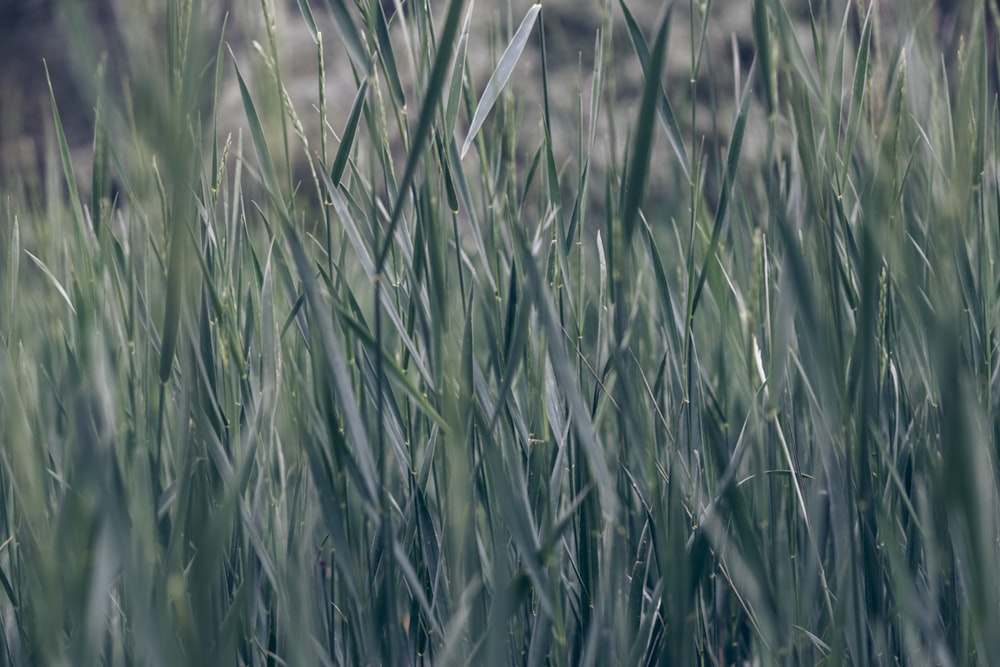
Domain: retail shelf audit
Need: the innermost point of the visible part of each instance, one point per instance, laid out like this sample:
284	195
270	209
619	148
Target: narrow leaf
55	281
666	112
501	75
642	144
267	171
347	138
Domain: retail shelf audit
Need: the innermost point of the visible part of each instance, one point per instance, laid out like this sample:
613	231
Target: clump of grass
434	410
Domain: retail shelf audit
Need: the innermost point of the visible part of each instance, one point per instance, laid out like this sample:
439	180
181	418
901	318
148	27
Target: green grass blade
663	107
642	142
348	136
501	75
267	169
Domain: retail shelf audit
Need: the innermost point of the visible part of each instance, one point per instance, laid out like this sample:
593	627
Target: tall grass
450	395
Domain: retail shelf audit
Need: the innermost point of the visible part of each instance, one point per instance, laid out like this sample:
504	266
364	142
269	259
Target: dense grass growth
454	397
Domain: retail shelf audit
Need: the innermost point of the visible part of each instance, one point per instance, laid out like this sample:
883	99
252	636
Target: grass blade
663	107
55	281
642	143
267	169
501	75
347	138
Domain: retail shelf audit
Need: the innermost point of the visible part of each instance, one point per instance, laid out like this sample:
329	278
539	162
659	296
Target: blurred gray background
125	33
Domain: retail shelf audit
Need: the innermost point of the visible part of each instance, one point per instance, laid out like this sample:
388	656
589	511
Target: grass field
448	395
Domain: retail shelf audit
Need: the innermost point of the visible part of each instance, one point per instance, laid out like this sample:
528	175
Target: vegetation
485	403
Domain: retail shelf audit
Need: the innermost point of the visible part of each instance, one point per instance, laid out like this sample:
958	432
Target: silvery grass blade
429	106
352	39
541	641
506	479
430	546
529	178
416	589
347	138
674	318
515	336
501	75
359	241
472	226
663	107
732	164
596	93
449	183
52	278
642	143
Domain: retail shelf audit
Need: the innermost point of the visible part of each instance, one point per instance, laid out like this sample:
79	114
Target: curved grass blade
307	16
501	75
267	170
55	281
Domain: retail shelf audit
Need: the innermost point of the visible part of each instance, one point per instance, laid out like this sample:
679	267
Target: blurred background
72	36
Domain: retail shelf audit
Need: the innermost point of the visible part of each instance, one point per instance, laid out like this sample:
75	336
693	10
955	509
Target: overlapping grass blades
442	416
